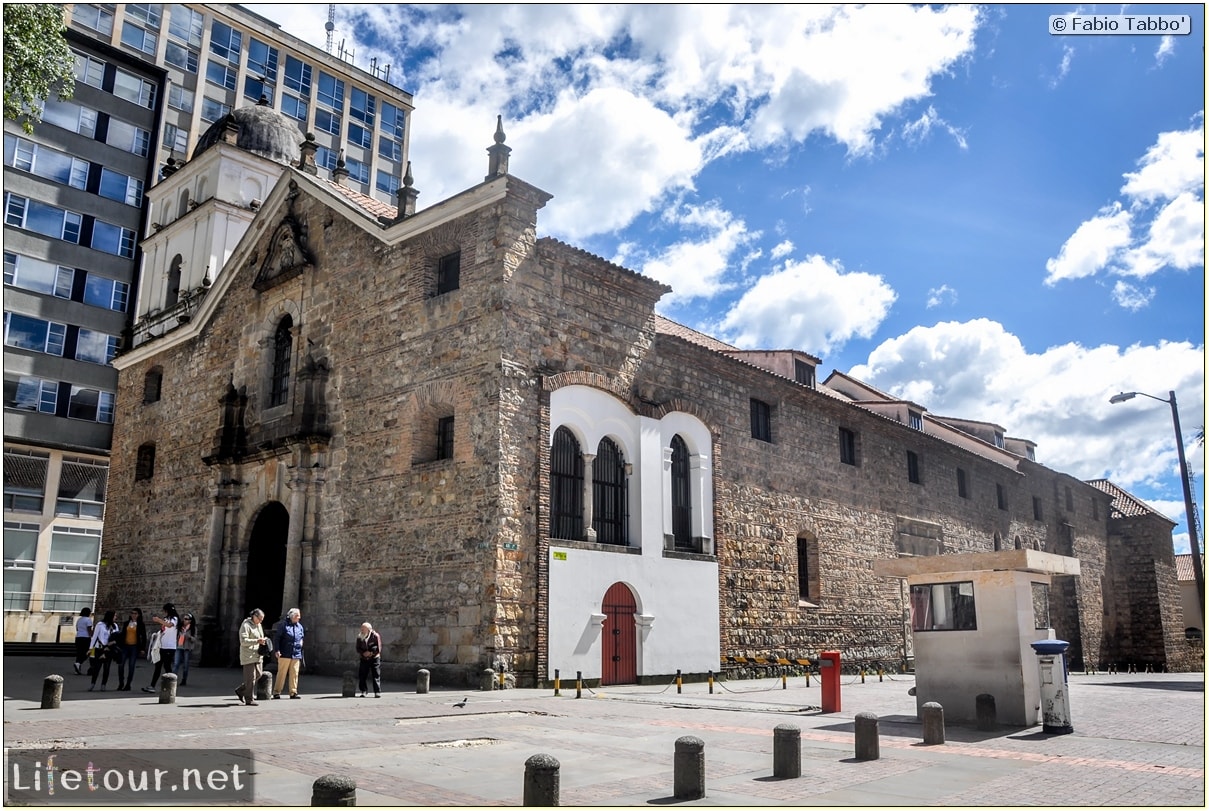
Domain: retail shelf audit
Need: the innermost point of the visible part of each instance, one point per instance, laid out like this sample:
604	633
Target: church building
489	445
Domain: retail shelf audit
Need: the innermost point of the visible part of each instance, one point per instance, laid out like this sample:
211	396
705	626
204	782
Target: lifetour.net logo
128	777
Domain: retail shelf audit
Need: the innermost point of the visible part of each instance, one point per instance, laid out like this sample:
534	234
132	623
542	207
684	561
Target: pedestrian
168	631
288	650
133	645
185	640
251	655
369	651
104	650
83	637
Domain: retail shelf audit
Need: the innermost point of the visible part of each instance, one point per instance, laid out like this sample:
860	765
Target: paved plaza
1139	740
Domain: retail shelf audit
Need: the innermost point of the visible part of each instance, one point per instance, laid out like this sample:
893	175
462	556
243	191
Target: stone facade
342	500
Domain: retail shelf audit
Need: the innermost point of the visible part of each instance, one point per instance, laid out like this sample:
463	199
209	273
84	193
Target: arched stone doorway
265	581
619	642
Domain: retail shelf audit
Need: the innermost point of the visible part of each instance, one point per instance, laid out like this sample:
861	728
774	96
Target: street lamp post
1189	509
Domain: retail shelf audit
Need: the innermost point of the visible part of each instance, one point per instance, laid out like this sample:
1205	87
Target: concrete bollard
541	781
264	687
52	692
786	751
334	791
349	688
933	716
487	679
868	747
984	710
689	768
423	677
168	688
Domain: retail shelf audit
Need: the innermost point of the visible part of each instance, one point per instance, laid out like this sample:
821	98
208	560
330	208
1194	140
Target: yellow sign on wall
560	555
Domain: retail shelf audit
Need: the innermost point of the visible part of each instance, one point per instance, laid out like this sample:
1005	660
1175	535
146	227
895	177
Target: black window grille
610	503
962	490
566	487
803	568
682	499
913	467
279	386
449	271
761	420
445	438
847	446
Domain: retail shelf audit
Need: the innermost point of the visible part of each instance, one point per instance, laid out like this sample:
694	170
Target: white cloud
1174	164
812	305
918	130
941	295
1068	56
1130	296
1166	48
1175	238
1093	245
1058	398
697	268
781	250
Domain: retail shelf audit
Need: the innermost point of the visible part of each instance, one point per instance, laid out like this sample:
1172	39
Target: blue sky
947	202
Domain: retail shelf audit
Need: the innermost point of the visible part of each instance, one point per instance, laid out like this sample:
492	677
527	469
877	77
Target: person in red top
369	651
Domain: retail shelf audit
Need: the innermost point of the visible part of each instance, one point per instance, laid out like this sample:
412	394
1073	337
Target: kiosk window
943	607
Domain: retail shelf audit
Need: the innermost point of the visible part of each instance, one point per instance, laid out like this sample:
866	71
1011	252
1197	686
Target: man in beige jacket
251	655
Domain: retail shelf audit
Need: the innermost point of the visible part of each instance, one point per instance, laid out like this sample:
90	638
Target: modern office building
150	79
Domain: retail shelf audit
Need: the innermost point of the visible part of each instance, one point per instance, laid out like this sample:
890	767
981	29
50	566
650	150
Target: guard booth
974	618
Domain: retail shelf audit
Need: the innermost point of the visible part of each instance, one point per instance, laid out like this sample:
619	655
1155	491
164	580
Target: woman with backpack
104	650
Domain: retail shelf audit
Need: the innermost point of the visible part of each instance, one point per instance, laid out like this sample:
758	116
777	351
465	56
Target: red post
829	674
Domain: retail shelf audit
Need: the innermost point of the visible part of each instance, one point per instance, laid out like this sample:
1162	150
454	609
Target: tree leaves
37	60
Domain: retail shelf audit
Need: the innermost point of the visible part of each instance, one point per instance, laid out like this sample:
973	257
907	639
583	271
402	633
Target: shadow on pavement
1184	686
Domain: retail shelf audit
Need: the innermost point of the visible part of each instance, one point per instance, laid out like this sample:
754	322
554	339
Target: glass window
179	98
943	607
128	137
357	170
90	404
89	70
107	293
27	332
566	486
389	149
19	153
847	446
71	117
96	347
31	394
330	92
42	218
91	15
392	121
221	74
360	136
147	14
213	110
37	275
262	60
297	76
387	182
225	41
184	58
255	89
138	38
294	107
81	490
24	483
325	158
186	25
682	500
327	121
761	420
610	495
71	575
175	138
362	106
132	88
113	239
45	162
120	187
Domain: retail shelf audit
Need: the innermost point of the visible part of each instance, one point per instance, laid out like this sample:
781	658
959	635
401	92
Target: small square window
449	272
803	373
761	420
847	446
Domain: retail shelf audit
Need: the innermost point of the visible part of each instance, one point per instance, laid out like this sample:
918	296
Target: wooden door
619	644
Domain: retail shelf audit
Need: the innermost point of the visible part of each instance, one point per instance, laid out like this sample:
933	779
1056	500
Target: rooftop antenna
330	25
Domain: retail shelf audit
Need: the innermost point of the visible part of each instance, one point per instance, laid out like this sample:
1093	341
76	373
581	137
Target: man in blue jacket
288	650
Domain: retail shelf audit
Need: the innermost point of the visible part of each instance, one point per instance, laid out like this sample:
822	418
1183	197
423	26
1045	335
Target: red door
619	649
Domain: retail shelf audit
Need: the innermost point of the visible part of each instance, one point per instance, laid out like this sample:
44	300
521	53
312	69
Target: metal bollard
423	679
807	678
784	680
168	688
933	716
679	682
334	791
52	692
984	711
881	675
349	688
487	680
541	781
689	769
579	684
556	682
786	751
501	680
868	747
862	675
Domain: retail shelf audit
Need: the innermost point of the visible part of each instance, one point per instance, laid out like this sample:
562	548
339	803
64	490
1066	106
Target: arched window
283	346
173	291
610	505
566	487
144	467
152	384
682	499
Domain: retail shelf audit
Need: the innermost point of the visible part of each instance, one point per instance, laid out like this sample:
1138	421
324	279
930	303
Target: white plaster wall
677	599
953	667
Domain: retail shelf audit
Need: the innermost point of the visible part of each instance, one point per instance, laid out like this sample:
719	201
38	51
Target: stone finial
407	195
340	173
308	148
230	133
497	155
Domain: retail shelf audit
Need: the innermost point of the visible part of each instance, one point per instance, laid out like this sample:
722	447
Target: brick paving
1138	741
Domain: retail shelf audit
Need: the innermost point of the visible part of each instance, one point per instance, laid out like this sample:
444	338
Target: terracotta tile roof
1124	505
667	326
1183	568
372	206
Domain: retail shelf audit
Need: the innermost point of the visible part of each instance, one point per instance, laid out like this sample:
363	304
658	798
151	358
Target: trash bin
1055	693
829	675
